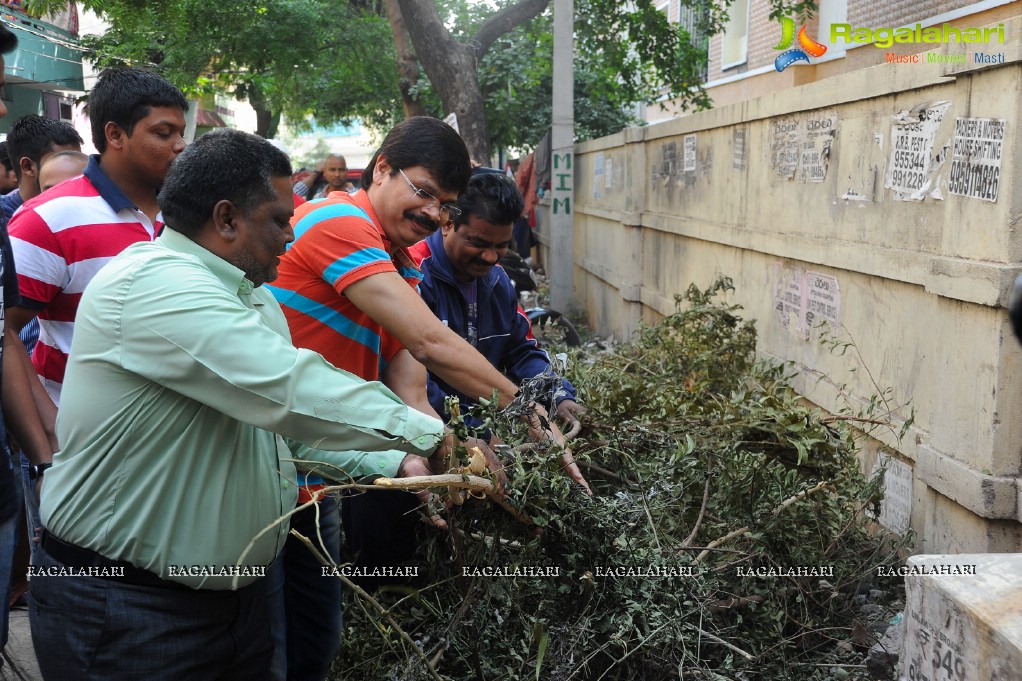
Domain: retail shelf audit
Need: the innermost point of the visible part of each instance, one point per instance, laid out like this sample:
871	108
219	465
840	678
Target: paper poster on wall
976	160
598	171
815	140
668	166
789	292
823	300
738	148
690	154
896	507
784	146
608	173
804	300
911	170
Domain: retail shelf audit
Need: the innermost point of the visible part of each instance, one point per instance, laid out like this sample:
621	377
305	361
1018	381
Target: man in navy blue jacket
475	299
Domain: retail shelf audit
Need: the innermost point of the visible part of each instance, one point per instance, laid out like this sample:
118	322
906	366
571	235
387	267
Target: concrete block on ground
963	618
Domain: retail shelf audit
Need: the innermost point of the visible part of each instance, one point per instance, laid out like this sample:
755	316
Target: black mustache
424	221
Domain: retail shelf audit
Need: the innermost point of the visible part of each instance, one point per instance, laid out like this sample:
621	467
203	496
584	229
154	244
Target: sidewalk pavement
19	655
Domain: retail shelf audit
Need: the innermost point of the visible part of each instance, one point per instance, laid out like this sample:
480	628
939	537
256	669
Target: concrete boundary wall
786	195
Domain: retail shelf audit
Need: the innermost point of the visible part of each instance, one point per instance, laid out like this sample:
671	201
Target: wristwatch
35	471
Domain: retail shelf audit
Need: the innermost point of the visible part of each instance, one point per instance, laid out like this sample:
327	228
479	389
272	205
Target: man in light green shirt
181	379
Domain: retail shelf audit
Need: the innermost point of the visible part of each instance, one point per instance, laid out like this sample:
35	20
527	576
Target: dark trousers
308	631
97	629
523	236
9	527
379	531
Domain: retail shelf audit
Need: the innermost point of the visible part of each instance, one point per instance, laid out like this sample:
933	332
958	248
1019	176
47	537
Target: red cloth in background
525	178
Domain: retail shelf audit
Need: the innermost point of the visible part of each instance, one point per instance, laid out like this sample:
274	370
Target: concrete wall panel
918	286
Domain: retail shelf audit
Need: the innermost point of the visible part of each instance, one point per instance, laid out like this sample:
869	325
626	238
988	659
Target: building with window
741	59
44	75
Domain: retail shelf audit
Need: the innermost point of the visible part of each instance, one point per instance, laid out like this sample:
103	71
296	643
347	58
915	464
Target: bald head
61	166
335	172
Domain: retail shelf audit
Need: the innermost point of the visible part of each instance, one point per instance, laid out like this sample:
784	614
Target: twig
446	643
629	362
727	645
629	653
473	483
702	512
708	548
287	518
487	539
598	469
725	604
835	418
369	599
743	530
649	517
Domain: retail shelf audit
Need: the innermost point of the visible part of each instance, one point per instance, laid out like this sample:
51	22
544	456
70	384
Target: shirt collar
232	277
361	199
435	241
441	264
110	192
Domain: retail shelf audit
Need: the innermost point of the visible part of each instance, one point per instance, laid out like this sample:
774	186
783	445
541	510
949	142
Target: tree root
472	483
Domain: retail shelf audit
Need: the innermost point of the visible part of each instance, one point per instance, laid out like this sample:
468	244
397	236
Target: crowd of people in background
209	342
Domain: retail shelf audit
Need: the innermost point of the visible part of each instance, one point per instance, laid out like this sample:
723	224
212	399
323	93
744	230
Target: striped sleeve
340	244
42	268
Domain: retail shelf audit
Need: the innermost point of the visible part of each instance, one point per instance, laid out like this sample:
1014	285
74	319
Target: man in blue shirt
477	300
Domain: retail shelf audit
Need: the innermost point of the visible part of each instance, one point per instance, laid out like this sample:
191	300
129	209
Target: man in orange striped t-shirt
348	289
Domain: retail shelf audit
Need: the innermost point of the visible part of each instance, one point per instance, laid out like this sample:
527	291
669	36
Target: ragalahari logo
807	44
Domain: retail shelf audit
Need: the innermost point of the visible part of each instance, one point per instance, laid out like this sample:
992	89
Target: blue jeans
31	508
9	530
307	617
90	628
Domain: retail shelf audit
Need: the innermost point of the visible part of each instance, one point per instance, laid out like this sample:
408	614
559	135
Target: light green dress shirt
180	374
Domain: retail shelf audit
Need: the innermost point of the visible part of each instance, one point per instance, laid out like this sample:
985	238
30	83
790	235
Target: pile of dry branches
725	539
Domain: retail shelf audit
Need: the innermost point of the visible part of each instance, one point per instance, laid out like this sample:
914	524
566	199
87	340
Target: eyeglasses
449	210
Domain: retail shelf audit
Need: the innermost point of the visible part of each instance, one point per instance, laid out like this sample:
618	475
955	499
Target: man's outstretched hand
413	466
570	412
542	428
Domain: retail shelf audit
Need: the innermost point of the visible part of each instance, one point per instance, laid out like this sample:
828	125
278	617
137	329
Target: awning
204	118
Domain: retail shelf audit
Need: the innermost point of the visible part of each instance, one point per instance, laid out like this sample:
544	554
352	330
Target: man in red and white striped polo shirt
63	237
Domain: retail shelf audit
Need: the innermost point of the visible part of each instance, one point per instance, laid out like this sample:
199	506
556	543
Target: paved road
19	657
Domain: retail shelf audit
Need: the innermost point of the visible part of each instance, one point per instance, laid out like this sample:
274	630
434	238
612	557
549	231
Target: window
690	19
734	43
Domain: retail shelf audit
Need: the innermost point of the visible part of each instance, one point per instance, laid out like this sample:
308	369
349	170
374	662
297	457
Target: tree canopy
286	57
490	63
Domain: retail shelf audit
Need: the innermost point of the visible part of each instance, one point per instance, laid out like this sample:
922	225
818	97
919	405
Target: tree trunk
451	66
266	119
407	64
